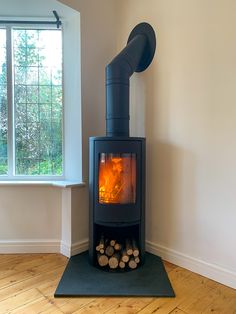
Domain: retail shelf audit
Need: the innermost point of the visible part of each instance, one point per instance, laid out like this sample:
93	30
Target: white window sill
61	184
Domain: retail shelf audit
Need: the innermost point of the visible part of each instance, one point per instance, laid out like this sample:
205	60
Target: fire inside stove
117	178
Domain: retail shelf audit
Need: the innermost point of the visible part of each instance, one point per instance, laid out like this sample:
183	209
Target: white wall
29	214
189	96
31	8
98	46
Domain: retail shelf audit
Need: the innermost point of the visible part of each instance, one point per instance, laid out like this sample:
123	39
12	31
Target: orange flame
117	179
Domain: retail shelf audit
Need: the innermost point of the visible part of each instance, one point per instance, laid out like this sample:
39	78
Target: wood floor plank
130	306
35	307
32	279
4	256
201	302
28	273
75	304
12	268
184	285
12	259
223	290
201	290
169	267
223	303
33	282
64	304
12	262
55	311
179	274
211	297
48	288
7	258
177	311
20	299
100	305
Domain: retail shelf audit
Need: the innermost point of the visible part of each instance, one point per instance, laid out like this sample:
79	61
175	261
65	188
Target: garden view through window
31	107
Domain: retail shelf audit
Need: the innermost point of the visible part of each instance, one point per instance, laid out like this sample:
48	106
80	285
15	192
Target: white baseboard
76	248
29	246
209	270
42	246
79	247
65	249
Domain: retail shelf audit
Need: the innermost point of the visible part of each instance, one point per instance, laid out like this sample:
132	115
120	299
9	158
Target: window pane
37	64
3	104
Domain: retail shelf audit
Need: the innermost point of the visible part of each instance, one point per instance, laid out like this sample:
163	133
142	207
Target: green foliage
38	106
3	168
3	109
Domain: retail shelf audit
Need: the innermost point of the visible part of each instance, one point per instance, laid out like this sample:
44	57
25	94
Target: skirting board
76	248
208	270
42	246
29	246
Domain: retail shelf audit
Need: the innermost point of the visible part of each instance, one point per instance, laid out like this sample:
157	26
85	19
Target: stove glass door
117	178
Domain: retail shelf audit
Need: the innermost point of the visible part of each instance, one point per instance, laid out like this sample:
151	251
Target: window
3	104
31	106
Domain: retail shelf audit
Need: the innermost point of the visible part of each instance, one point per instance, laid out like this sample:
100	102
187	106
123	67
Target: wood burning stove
117	165
117	192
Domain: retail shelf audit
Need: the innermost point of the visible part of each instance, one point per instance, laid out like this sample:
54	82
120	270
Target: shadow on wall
171	187
171	194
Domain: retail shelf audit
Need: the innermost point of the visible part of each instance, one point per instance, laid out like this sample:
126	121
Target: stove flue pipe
135	57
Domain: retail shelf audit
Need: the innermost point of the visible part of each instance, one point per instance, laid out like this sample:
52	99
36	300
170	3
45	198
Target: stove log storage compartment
117	165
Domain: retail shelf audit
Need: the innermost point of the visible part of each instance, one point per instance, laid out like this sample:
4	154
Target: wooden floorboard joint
28	283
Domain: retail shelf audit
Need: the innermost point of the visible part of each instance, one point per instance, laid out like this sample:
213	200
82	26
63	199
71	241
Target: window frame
12	176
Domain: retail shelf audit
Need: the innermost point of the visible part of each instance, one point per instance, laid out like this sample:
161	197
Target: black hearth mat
82	279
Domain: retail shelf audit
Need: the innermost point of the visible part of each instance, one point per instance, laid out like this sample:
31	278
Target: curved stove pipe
135	57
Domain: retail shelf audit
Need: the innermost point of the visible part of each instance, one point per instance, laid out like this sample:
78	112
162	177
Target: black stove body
117	161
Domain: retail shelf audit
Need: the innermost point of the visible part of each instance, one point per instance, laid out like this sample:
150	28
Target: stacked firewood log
116	254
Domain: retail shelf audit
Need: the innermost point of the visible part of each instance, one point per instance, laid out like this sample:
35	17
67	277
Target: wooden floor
28	282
